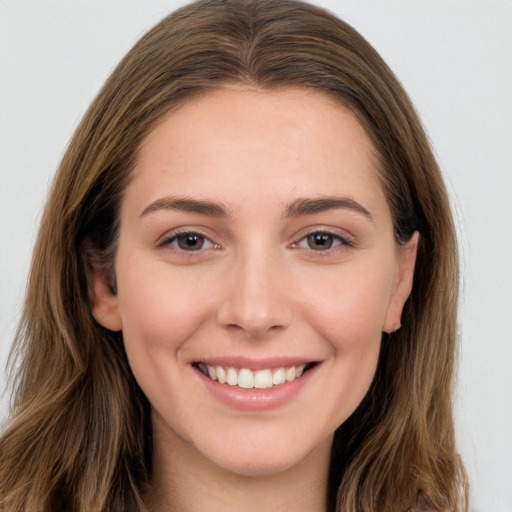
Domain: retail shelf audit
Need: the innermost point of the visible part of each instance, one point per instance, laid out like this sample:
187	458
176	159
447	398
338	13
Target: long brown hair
79	437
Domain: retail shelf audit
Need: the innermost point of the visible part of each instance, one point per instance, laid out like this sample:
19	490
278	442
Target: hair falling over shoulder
79	435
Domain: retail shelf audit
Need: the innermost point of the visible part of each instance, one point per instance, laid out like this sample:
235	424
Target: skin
256	289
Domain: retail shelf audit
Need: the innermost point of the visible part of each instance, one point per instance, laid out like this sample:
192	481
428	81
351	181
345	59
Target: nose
257	301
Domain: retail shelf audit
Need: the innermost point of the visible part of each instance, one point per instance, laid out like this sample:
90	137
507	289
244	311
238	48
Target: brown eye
320	241
187	241
190	241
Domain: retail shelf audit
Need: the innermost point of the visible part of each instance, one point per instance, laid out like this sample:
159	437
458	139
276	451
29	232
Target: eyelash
338	241
172	239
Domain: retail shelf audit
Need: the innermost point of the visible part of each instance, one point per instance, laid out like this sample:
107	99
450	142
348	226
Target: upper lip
254	364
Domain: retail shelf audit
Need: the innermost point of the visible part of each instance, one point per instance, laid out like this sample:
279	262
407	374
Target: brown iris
320	241
190	241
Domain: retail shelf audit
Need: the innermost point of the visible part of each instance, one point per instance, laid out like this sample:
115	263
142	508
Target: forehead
234	143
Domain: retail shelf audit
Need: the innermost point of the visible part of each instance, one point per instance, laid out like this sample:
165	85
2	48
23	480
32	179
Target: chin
258	465
265	456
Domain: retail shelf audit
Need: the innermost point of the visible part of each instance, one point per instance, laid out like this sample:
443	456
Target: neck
186	482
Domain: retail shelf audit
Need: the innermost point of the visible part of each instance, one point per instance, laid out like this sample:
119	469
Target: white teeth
290	374
279	377
263	379
221	374
232	377
247	379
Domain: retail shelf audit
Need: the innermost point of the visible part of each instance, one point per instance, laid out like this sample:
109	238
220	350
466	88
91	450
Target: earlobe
105	303
403	284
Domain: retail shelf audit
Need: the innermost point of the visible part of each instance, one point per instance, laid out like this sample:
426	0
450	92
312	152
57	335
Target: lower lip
256	399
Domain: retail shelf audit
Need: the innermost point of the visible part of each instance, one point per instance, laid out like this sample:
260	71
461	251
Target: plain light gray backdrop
453	57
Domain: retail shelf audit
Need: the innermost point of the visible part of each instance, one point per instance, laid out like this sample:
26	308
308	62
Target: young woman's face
255	244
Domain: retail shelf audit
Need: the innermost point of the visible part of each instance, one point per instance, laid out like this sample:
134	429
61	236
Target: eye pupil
320	241
190	242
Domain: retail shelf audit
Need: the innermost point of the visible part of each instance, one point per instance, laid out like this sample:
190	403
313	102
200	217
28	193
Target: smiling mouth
248	379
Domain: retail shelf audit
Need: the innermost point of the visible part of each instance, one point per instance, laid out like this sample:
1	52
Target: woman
246	272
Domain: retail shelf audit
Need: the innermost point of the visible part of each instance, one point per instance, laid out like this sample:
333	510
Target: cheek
348	307
349	315
160	309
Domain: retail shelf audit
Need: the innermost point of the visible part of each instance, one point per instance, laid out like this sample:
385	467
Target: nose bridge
256	300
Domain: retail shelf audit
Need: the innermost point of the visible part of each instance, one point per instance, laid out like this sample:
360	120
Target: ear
105	307
402	284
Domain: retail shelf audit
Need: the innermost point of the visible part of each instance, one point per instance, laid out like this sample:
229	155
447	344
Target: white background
453	56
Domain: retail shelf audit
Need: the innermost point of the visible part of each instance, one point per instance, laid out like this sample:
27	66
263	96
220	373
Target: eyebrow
187	204
297	208
310	206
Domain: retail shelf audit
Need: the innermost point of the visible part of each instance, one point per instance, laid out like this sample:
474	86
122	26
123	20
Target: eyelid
171	236
344	239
